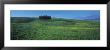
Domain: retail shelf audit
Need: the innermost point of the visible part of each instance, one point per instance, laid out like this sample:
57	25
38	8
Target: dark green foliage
54	29
45	17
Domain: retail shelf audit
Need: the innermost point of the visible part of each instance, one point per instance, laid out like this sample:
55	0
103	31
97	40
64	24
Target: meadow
24	28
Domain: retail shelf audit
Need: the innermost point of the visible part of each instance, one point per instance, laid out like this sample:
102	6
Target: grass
54	29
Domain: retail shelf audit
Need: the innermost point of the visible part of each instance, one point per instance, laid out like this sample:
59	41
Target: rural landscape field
35	28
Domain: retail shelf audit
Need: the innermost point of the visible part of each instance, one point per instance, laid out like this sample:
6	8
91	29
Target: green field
54	29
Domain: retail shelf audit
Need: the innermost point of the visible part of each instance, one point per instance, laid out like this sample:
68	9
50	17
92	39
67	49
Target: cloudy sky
55	13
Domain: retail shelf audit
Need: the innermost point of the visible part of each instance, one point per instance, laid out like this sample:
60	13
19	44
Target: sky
55	13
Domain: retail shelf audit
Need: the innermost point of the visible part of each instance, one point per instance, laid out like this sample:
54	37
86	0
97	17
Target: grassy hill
53	29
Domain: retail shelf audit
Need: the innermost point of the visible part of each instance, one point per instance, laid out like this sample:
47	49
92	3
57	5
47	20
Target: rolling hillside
24	28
